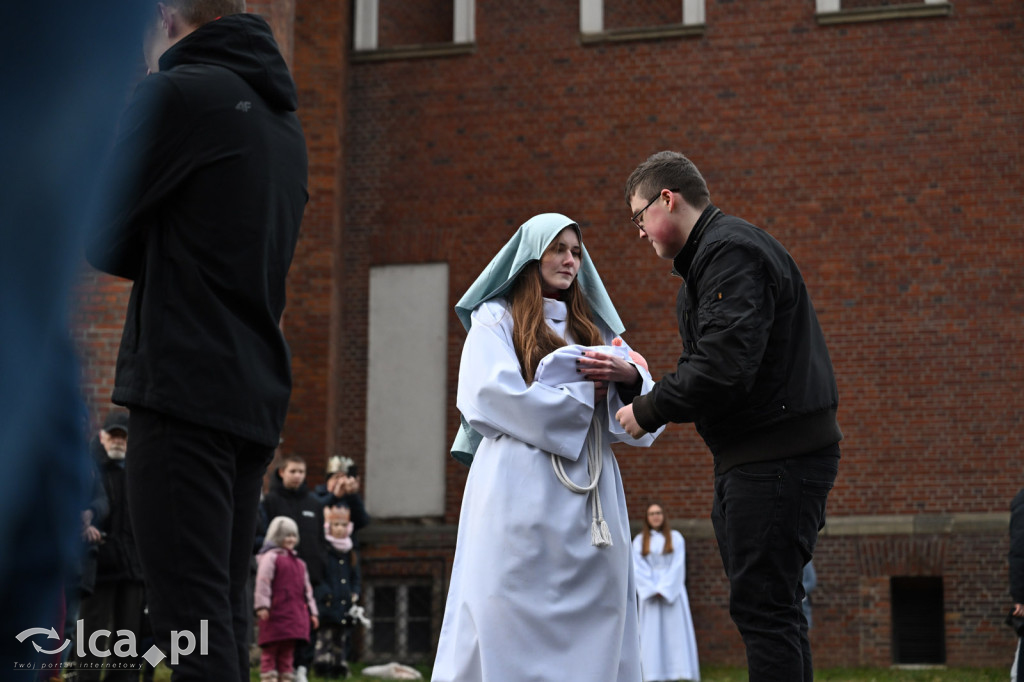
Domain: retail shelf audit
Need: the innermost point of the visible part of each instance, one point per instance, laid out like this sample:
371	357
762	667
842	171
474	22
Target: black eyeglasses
636	216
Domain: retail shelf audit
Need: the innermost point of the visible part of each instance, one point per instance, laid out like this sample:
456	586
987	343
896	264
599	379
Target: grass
734	674
723	674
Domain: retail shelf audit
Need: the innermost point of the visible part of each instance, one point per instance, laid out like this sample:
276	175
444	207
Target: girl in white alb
542	583
668	647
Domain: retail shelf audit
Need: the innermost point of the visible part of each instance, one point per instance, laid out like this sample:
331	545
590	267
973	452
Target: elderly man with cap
117	599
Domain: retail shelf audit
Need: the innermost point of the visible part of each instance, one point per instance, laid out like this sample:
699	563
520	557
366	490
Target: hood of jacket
244	44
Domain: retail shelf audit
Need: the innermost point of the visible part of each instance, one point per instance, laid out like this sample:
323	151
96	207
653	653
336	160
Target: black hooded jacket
205	192
307	511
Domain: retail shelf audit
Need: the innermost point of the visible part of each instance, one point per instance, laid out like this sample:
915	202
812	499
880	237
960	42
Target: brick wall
852	625
885	155
860	147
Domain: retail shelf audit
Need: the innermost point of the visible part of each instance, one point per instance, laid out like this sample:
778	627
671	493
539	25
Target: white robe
668	647
531	599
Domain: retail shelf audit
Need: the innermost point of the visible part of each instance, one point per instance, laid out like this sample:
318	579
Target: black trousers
114	607
193	493
766	517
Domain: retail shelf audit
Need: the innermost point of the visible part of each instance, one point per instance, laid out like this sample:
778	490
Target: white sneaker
300	674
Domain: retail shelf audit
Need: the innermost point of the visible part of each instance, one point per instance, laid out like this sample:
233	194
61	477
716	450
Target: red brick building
881	143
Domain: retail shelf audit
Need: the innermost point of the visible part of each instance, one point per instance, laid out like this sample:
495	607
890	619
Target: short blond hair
280	528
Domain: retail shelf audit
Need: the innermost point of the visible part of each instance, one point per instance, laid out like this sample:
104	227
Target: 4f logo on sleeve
244	106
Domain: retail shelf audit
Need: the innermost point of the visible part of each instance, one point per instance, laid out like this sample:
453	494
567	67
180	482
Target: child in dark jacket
341	590
283	601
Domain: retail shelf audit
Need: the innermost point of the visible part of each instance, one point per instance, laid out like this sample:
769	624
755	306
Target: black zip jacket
755	375
207	186
307	511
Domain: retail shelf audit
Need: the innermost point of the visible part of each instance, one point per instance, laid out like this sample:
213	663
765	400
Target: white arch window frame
832	12
826	6
366	23
592	15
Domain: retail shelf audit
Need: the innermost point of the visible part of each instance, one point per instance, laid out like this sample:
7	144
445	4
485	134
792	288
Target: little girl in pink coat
284	601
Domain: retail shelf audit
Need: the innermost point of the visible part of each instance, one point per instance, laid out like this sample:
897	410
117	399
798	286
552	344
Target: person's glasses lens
636	216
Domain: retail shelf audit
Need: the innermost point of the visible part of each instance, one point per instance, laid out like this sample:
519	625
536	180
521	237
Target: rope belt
600	536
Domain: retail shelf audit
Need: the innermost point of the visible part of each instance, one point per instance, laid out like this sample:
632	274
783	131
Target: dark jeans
766	517
193	493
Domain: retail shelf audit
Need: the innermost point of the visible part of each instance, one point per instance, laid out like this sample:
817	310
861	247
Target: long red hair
532	338
665	530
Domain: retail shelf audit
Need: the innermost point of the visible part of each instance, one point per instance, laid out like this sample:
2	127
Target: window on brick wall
409	28
848	11
400	612
918	620
638	19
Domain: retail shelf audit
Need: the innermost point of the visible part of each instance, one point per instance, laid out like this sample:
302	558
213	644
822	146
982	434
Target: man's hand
1018	609
92	535
628	422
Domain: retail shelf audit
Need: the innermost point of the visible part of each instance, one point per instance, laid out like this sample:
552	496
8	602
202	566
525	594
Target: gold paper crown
338	464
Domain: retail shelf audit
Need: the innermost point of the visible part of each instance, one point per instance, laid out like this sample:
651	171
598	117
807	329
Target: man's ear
168	20
672	202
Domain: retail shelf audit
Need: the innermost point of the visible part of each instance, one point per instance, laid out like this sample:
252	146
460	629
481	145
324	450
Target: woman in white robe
668	646
542	582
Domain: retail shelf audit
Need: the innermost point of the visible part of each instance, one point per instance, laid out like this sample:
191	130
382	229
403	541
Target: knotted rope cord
600	536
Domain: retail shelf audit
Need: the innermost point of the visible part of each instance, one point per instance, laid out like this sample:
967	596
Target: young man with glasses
756	379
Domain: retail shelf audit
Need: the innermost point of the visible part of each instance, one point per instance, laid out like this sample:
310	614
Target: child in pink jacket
283	601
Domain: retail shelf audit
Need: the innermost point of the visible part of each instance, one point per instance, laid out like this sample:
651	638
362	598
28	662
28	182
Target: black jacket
303	507
342	580
207	188
99	505
755	375
1017	548
117	560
